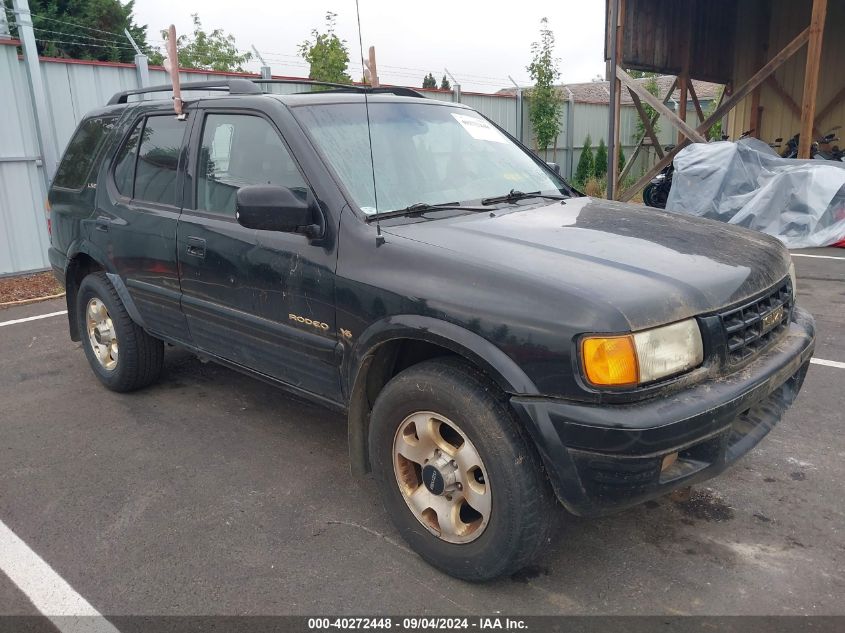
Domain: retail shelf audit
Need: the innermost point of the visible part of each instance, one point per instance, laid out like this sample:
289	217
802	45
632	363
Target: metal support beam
456	87
570	135
142	68
46	141
811	77
265	67
519	104
4	23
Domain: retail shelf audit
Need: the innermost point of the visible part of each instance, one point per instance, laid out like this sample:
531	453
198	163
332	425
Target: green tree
445	84
206	51
600	162
326	54
715	132
85	29
429	81
621	165
650	85
586	168
544	105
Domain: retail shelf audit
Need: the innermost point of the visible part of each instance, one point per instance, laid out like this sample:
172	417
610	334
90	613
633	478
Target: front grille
752	327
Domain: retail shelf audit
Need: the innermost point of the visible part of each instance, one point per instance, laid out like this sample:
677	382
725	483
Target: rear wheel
121	354
459	479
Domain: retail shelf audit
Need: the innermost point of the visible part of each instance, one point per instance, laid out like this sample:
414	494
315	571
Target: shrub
595	187
585	167
600	163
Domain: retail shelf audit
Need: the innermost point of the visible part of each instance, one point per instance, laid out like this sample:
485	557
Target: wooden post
698	111
371	67
762	50
811	77
683	77
615	22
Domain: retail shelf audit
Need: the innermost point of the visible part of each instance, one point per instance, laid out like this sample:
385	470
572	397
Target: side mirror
273	208
554	167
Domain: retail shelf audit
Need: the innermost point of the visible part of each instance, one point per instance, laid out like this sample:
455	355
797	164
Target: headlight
793	279
641	357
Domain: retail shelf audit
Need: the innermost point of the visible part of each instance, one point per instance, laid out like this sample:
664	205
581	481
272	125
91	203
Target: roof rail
244	86
399	91
236	85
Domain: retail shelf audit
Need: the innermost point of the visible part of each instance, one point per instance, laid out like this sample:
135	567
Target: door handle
102	224
196	247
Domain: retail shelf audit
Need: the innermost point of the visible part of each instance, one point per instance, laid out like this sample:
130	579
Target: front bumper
603	458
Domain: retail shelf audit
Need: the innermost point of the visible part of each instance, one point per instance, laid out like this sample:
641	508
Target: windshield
430	154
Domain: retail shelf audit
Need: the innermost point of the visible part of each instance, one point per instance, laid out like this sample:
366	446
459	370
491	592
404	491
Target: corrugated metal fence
73	88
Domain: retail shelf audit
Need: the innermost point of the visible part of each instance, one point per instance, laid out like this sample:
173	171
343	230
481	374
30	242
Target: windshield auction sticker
479	129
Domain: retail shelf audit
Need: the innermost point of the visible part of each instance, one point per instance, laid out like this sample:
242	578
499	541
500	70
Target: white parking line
827	363
32	318
816	256
48	591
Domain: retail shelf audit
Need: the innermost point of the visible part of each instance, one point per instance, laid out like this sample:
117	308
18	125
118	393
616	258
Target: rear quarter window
83	148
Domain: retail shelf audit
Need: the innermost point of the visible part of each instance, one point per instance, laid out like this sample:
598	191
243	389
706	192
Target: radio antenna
379	236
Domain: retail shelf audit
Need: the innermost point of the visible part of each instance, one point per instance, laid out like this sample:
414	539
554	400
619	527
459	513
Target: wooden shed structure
782	63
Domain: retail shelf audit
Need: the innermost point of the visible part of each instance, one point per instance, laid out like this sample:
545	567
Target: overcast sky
481	43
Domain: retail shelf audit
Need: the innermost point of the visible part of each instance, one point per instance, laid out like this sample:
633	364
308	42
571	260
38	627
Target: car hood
652	266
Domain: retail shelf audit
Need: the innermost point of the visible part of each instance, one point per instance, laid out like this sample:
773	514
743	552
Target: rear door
136	219
262	299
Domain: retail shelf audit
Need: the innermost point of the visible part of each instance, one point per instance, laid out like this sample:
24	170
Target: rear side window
239	150
124	167
158	158
81	152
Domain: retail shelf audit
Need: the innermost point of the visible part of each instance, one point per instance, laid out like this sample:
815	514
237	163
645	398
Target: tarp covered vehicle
801	202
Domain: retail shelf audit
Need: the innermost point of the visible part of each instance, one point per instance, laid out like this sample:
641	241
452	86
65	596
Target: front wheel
121	354
459	479
655	196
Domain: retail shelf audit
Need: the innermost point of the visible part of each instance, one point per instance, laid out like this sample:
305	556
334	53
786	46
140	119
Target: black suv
497	340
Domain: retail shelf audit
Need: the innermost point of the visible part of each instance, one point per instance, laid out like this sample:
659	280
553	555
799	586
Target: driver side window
239	150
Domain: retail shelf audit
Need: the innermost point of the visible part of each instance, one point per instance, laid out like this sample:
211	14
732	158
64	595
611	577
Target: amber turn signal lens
610	361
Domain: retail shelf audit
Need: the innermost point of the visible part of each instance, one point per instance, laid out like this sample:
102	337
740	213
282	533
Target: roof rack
243	86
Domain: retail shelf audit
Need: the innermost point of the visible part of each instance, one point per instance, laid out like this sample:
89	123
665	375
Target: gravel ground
23	287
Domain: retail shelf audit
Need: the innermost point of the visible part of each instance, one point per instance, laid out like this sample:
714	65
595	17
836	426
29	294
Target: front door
262	299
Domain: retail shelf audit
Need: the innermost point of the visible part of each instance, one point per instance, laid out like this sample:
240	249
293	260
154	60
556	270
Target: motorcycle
816	152
656	192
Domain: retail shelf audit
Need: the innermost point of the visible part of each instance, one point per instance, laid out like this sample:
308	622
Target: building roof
599	91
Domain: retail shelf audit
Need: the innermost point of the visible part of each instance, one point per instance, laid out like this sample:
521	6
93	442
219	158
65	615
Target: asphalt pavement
213	493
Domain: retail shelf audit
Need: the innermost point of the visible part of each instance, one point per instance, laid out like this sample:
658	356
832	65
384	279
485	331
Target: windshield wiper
513	196
423	207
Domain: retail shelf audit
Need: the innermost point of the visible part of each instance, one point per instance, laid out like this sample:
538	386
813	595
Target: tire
650	196
121	354
520	507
